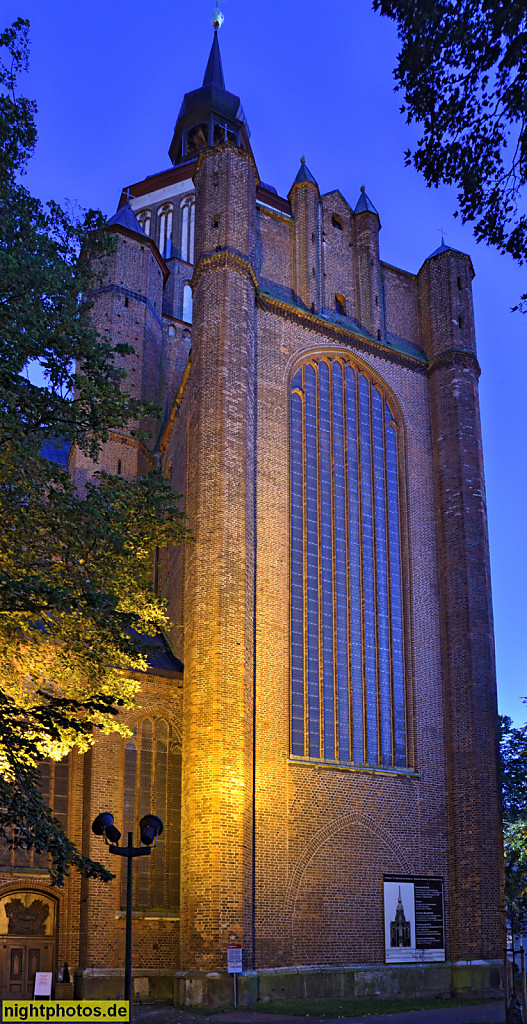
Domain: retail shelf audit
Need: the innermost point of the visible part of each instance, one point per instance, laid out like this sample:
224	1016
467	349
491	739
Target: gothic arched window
188	213
145	220
165	231
187	304
347	630
152	784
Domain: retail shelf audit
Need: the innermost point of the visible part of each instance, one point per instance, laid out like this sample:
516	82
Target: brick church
318	732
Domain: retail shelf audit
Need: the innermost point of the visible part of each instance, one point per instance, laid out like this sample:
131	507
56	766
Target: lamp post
150	828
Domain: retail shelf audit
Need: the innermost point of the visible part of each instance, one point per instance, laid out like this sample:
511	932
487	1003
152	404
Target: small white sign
234	959
43	980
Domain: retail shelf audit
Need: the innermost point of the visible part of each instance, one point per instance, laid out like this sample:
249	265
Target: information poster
414	928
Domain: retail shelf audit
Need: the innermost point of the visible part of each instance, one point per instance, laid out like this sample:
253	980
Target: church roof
444	248
126	218
365	204
214	70
304	174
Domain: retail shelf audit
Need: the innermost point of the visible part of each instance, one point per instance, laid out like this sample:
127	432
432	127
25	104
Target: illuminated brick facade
284	848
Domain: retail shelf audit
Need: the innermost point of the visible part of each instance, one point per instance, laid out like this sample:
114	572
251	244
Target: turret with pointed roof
209	115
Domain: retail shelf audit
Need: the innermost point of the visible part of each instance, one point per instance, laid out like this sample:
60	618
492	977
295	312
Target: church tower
320	720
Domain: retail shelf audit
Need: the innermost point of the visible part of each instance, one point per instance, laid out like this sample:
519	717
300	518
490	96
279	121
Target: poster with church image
413	919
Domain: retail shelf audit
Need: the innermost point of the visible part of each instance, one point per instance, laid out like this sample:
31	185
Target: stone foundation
384	981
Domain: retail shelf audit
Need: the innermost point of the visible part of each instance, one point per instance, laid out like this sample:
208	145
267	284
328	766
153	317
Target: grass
355	1007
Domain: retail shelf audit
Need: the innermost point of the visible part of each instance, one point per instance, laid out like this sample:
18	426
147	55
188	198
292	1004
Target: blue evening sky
315	79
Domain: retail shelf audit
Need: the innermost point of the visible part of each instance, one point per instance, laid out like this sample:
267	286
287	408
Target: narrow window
144	220
126	301
165	232
340	304
118	467
347	625
460	321
187	304
184	231
459	283
336	221
216	221
152	784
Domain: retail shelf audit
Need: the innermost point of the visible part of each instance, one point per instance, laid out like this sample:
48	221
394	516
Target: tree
513	762
76	601
513	759
463	70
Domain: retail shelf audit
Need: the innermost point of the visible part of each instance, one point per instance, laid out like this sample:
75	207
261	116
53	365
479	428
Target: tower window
152	784
336	221
126	300
216	221
347	616
197	138
460	321
459	283
187	304
340	304
165	231
119	467
223	133
313	239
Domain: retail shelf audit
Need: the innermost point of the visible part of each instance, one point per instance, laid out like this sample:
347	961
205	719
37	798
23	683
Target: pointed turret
214	70
209	115
367	225
304	197
364	204
125	218
304	174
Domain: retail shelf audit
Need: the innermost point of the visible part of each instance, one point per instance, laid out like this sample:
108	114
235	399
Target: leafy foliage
463	70
513	761
513	757
76	601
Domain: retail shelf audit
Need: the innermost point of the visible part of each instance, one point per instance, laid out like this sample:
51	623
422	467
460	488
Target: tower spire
214	70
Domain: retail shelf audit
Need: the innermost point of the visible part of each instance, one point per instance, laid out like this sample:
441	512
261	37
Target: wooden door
20	962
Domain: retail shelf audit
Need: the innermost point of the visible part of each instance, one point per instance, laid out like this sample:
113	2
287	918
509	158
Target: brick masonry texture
282	856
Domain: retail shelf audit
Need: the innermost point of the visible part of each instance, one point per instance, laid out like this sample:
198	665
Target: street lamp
150	828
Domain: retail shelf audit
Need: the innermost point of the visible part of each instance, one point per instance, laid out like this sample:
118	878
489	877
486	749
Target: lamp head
151	827
104	826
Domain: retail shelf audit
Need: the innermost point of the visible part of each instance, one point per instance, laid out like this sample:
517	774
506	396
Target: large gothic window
152	784
347	635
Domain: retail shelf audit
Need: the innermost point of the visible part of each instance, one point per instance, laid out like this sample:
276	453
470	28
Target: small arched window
145	219
152	784
336	221
187	304
340	304
188	211
165	231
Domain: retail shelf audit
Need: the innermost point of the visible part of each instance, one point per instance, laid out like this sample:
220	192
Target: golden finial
217	17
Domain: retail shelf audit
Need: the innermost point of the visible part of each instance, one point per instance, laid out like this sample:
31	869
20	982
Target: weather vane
217	17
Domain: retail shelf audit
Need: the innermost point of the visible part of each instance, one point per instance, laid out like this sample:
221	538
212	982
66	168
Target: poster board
234	959
414	928
43	983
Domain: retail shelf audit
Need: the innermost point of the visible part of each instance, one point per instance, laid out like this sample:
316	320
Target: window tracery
347	630
152	784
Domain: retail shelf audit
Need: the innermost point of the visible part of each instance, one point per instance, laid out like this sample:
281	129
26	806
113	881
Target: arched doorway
28	928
